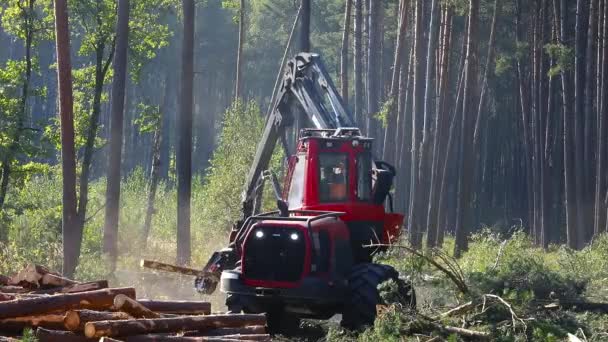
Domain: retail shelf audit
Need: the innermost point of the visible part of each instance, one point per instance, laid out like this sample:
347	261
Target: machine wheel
360	309
279	322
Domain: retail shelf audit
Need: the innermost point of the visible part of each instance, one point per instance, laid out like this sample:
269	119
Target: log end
89	330
119	301
72	320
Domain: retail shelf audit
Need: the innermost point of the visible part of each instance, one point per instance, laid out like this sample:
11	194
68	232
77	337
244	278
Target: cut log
5	297
177	307
250	330
13	289
17	324
51	280
93	300
75	320
8	339
162	325
227	338
133	308
75	288
31	276
161	266
4	279
108	339
45	335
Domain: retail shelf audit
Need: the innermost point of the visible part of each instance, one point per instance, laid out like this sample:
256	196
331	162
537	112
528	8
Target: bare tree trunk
239	57
441	127
110	241
344	51
466	162
68	152
579	116
415	231
305	27
600	185
391	128
184	148
374	69
358	62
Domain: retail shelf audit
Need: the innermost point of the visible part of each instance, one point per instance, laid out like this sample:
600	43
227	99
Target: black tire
278	321
360	309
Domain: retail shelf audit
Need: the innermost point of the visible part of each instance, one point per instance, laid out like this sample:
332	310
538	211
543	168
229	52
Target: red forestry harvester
308	259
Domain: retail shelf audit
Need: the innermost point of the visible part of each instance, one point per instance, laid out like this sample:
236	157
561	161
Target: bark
415	232
110	232
75	320
250	330
177	307
344	51
466	162
358	61
184	134
17	324
239	56
173	268
161	325
44	335
590	123
70	227
93	300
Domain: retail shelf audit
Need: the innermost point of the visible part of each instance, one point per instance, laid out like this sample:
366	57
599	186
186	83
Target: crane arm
306	88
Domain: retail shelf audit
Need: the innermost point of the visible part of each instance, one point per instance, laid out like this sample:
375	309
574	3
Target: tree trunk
110	236
70	225
145	326
579	116
415	231
344	51
239	57
45	335
304	43
18	324
466	162
374	70
602	133
184	134
390	147
441	127
358	62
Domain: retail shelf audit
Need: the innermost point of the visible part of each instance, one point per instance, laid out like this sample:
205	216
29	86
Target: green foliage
563	57
242	127
149	118
21	18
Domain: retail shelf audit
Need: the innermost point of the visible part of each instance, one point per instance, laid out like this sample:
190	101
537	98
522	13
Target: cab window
333	177
364	177
296	188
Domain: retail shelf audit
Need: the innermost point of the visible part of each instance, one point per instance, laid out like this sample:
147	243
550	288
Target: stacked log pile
61	309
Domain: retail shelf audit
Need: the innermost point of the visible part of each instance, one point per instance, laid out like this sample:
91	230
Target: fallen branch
578	305
75	288
457	311
514	317
458	281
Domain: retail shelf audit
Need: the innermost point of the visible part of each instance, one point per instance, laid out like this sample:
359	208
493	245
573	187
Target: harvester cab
311	258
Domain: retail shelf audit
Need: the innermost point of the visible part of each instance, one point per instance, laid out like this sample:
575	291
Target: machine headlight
294	236
259	234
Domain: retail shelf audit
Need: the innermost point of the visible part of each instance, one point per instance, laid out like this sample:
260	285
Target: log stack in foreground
61	309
